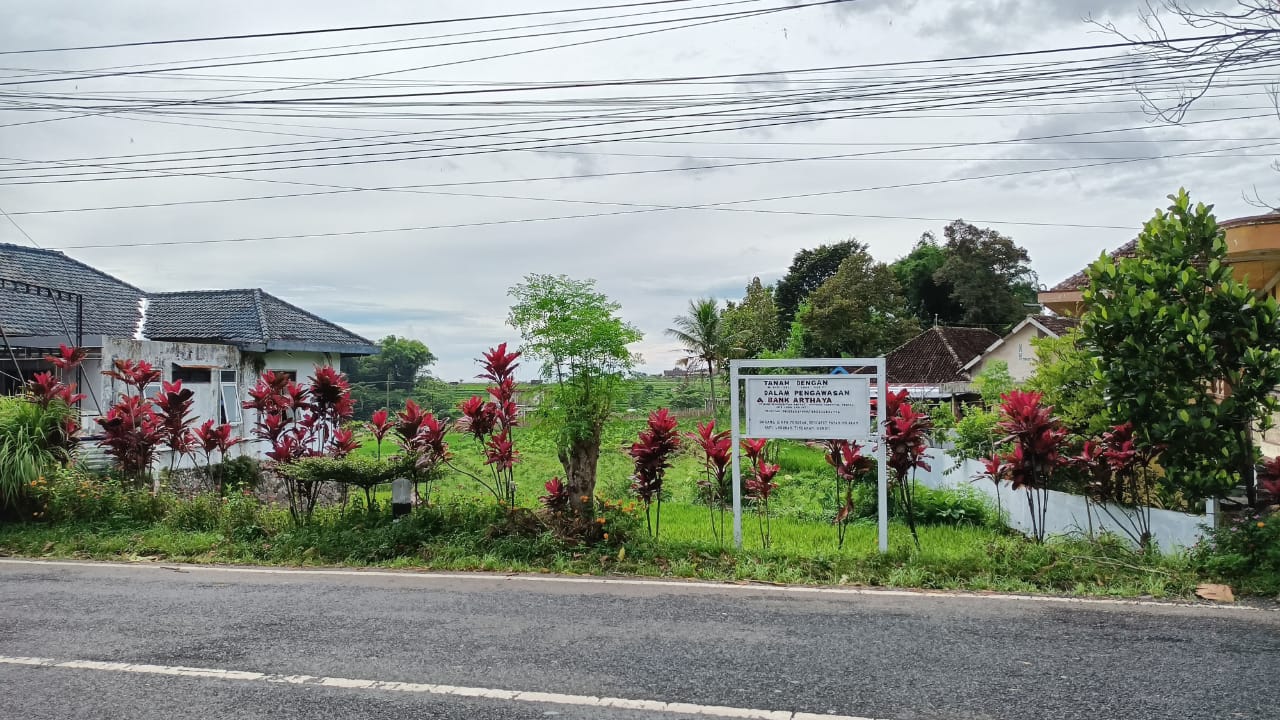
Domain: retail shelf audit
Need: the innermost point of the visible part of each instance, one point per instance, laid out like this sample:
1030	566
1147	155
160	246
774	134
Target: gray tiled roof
110	305
252	319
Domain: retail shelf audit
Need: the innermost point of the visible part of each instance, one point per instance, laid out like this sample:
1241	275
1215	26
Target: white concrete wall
1066	513
302	363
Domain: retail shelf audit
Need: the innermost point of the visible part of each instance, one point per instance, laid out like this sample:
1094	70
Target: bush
32	445
239	474
1245	550
71	494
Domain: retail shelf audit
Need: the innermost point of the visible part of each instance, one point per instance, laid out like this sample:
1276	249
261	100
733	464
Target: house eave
321	347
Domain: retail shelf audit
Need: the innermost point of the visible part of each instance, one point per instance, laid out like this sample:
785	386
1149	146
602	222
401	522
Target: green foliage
926	296
858	312
990	276
993	381
1245	551
238	474
73	494
431	394
703	336
751	326
1169	324
809	270
687	397
1064	375
362	472
400	360
31	445
976	435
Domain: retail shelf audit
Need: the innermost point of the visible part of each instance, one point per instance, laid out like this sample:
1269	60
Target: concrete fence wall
1066	513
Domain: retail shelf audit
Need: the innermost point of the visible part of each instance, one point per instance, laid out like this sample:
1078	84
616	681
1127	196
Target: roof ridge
262	315
68	258
317	318
946	342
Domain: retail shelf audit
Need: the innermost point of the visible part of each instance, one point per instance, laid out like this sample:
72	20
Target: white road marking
719	711
638	582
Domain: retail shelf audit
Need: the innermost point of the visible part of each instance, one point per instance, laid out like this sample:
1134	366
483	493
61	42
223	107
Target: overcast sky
447	287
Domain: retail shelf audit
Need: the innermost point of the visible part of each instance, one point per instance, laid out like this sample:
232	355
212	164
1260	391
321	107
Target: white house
217	342
1015	348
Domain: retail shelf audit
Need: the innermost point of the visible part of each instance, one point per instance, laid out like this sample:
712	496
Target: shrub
238	474
71	494
1246	550
30	445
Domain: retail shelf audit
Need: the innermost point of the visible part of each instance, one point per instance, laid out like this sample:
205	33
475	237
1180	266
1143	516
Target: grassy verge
462	537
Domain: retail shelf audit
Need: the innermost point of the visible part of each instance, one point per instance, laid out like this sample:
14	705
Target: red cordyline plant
379	425
760	485
299	421
1269	477
491	422
173	409
906	439
557	498
714	489
211	438
1037	437
652	455
852	467
420	436
131	432
1120	481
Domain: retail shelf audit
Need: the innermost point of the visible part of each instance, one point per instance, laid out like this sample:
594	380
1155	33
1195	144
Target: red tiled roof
937	355
1079	281
1057	324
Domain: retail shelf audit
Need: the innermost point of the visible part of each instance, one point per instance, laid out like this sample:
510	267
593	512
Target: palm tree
702	335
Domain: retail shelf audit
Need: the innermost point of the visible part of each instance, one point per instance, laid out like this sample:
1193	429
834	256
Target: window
190	375
151	390
291	374
1020	355
229	404
228	376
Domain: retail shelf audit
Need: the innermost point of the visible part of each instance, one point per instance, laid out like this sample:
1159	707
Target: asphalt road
111	642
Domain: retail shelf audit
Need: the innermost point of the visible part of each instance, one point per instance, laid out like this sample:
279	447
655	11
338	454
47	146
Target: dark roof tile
1080	281
249	318
110	304
937	355
1058	324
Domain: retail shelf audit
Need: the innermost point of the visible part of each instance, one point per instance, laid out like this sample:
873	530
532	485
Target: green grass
465	531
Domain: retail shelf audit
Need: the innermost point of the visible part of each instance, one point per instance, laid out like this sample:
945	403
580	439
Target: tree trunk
579	461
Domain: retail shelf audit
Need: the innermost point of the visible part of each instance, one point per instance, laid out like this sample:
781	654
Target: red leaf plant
1119	480
1269	477
652	455
421	437
760	485
211	438
137	374
995	470
173	409
906	438
852	467
67	359
44	389
1037	439
714	489
300	421
131	432
379	425
490	423
557	498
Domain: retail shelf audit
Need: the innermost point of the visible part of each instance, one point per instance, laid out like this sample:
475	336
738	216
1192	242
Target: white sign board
809	407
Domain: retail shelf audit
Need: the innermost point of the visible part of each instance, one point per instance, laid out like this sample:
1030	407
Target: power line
339	29
655	208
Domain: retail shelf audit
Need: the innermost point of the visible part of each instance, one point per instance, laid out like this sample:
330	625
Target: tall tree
859	311
927	296
702	335
990	276
1185	351
574	330
753	323
400	360
809	269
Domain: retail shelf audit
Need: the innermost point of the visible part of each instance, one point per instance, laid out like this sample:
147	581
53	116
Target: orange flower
606	536
584	498
599	521
1261	524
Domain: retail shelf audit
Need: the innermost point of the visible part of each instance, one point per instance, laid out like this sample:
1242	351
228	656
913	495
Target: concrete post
401	497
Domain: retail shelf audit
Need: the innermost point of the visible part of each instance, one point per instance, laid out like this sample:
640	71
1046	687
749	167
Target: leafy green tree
753	323
574	330
702	335
809	270
993	381
1064	375
858	312
399	360
990	277
928	297
1169	327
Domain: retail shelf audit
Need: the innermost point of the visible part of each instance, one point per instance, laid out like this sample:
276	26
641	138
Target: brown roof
1080	281
1058	324
937	355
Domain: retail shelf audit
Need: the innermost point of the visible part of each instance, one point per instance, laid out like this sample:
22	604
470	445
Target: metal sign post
834	406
